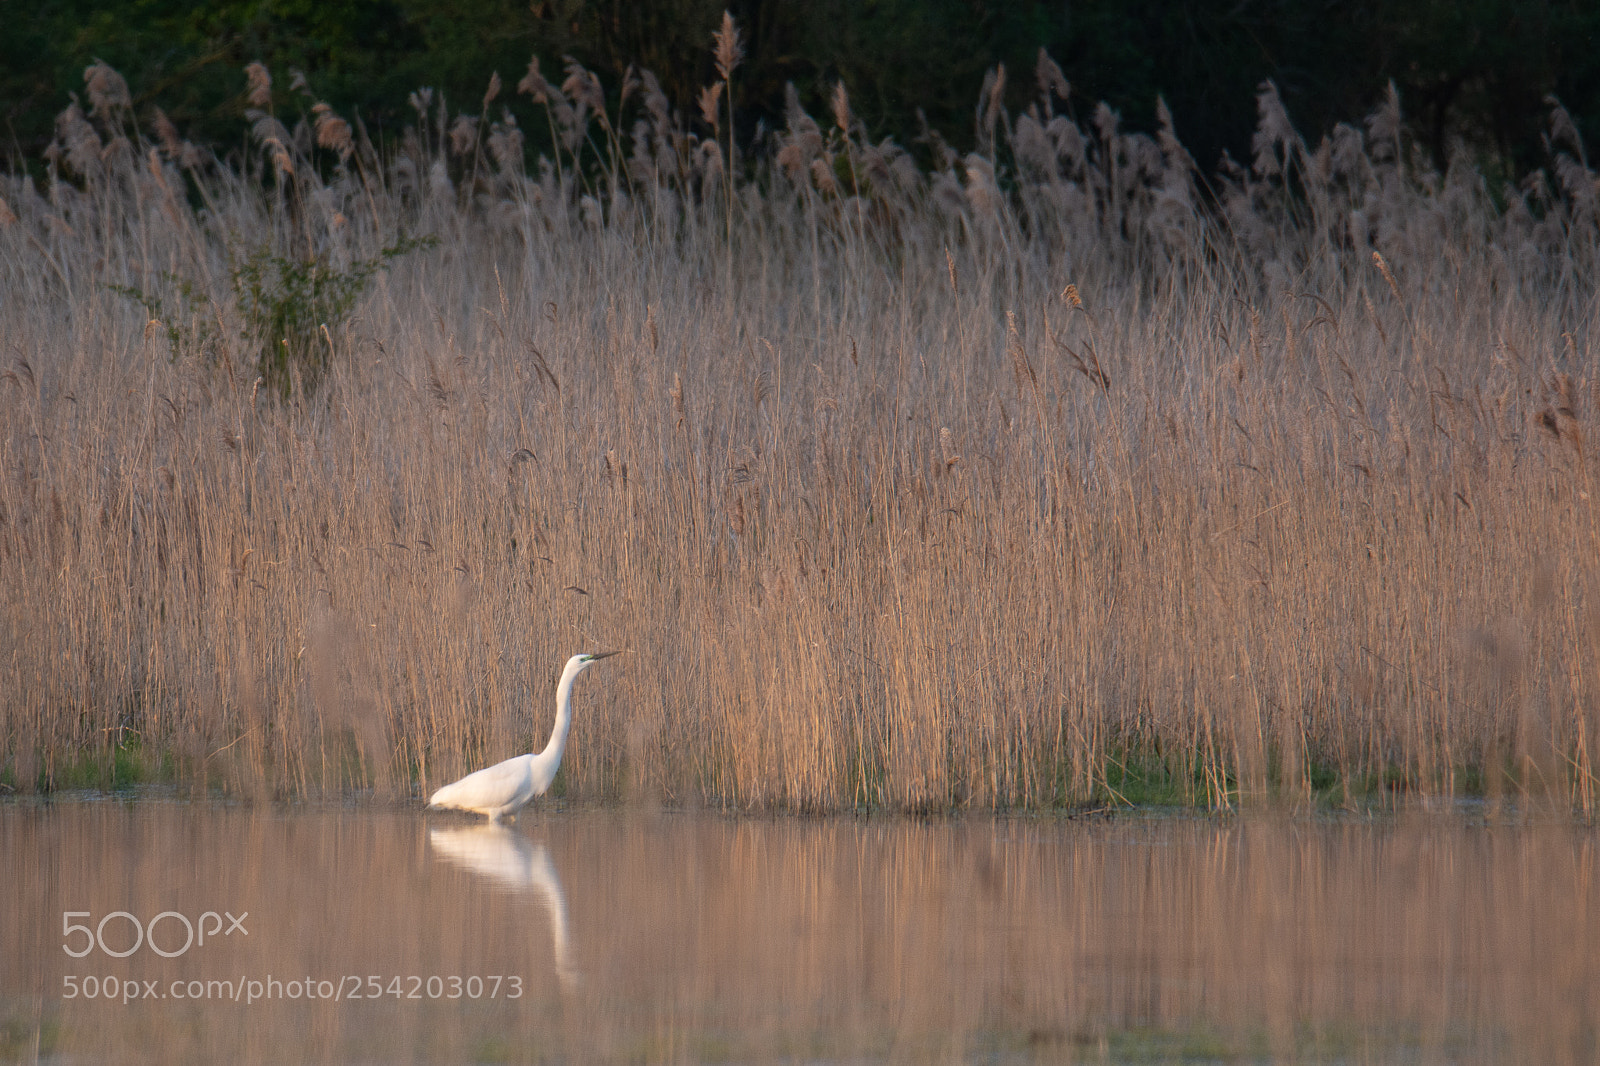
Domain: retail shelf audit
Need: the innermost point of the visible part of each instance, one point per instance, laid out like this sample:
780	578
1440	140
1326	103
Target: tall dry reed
1001	482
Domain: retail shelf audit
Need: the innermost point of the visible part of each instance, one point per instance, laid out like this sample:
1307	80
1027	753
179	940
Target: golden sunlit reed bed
1057	473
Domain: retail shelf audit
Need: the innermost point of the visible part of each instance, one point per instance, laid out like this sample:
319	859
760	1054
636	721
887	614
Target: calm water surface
375	935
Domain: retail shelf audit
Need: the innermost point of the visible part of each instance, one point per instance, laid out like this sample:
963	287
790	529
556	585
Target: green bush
290	307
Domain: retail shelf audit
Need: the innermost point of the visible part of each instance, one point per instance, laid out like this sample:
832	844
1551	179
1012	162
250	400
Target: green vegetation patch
289	309
120	767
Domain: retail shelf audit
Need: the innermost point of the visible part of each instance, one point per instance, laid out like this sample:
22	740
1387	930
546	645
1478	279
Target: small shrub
286	303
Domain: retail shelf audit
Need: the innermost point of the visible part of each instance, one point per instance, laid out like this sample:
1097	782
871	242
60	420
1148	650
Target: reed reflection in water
706	937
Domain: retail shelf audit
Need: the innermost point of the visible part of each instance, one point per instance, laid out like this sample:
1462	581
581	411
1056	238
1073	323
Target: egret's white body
501	790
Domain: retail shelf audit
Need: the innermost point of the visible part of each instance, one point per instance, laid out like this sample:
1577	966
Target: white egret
501	790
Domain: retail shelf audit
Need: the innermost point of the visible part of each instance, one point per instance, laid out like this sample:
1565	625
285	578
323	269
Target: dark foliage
1471	73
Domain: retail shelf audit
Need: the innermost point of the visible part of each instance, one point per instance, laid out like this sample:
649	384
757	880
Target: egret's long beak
603	654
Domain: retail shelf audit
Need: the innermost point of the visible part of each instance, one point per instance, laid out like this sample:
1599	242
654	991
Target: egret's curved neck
558	735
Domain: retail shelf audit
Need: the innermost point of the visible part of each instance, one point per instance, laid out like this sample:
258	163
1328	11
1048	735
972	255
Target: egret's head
588	659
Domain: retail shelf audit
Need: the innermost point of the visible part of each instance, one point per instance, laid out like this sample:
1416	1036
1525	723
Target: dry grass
964	487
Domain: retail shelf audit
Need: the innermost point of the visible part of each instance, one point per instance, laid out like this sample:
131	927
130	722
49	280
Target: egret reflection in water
507	858
1372	938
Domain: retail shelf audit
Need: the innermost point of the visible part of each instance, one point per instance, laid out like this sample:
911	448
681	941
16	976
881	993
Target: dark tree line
1471	73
